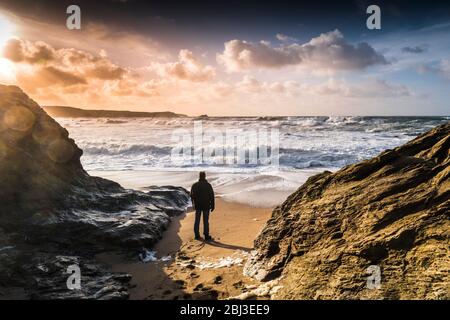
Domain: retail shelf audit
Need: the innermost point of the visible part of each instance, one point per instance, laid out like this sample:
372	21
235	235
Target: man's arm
192	197
211	198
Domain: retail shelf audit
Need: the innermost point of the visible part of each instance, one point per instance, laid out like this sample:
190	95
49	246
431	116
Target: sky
231	58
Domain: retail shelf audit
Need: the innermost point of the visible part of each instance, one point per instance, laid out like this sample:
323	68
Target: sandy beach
197	269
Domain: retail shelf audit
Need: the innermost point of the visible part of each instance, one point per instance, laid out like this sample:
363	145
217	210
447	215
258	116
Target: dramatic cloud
186	68
416	50
135	48
329	51
64	61
47	70
242	55
17	50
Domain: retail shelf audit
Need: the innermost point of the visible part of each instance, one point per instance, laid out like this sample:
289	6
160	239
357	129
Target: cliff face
38	162
53	213
391	212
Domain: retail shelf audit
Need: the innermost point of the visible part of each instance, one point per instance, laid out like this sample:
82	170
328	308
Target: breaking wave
304	142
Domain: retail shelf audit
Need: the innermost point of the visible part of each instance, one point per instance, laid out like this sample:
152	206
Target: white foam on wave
150	256
305	142
265	190
308	145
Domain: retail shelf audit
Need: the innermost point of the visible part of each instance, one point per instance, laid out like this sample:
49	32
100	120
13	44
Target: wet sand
262	190
197	269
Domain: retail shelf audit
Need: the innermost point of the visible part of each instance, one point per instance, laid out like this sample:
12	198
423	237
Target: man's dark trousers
198	213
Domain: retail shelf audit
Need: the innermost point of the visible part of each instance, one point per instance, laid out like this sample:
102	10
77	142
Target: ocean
306	145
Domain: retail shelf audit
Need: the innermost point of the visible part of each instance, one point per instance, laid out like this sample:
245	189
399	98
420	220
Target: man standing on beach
202	195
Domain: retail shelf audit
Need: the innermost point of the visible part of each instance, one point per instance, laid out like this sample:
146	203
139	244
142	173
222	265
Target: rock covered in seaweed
391	211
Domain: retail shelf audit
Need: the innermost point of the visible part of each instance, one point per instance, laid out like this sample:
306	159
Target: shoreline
197	269
261	190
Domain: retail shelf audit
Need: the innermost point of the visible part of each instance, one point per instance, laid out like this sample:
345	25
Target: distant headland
71	112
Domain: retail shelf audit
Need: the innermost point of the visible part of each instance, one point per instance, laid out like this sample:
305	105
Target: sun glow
6	30
7	71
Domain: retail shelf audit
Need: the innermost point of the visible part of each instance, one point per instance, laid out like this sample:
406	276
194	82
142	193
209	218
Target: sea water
307	145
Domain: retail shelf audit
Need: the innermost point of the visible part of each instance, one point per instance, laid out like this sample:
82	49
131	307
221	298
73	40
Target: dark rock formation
391	212
44	275
49	202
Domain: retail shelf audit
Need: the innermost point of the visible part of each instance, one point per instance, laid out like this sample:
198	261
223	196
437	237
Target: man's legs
198	213
206	223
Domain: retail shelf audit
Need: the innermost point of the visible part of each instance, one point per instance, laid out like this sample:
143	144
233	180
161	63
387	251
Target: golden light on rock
19	119
60	151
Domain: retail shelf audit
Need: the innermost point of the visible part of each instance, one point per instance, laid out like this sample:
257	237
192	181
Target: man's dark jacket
202	195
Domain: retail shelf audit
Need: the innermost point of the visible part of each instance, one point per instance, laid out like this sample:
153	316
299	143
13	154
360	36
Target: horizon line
245	116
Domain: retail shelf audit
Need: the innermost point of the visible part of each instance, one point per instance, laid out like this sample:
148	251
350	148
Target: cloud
242	55
186	68
17	50
445	68
374	88
441	68
45	70
285	38
135	48
329	51
69	62
249	84
56	76
59	75
415	50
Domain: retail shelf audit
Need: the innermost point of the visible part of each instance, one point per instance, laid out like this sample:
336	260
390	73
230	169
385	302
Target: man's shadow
216	243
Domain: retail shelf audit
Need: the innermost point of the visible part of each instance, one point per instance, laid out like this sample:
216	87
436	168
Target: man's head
202	176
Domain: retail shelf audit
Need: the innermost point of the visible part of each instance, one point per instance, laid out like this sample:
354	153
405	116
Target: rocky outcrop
390	214
49	204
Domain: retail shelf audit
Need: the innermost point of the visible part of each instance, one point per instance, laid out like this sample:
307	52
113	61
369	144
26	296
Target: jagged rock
48	198
391	211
